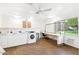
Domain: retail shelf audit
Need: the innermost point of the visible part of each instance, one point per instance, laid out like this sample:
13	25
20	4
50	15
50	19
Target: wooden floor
42	47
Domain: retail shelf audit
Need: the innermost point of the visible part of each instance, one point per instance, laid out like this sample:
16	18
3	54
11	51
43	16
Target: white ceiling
25	9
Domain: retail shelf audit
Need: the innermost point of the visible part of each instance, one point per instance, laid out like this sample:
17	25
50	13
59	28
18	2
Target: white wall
11	15
53	19
63	11
8	22
38	21
0	21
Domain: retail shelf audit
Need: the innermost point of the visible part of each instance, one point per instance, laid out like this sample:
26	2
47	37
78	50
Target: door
32	37
76	42
3	40
17	39
11	41
21	39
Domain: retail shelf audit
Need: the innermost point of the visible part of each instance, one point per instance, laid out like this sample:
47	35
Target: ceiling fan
39	9
45	10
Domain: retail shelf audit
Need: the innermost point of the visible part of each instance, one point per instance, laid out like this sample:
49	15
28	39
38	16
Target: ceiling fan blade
47	9
30	3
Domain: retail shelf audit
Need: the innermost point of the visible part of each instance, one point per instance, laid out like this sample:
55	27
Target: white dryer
31	37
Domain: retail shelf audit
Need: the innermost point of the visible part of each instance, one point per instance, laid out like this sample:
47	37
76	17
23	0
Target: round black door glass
32	36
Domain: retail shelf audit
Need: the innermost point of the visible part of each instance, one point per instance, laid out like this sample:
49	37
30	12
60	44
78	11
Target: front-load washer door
32	36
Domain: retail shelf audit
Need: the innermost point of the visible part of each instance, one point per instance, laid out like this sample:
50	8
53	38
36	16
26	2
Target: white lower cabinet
21	39
60	39
69	41
10	40
17	39
76	43
72	41
3	41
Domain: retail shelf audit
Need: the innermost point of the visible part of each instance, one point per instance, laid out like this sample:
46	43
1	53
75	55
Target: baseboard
69	46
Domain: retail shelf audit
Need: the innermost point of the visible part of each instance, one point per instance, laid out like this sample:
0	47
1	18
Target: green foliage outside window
73	22
71	26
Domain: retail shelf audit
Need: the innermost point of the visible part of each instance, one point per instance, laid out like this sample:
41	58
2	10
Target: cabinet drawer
69	41
3	41
3	44
76	44
17	39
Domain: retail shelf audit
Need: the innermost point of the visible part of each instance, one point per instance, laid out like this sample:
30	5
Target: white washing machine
31	37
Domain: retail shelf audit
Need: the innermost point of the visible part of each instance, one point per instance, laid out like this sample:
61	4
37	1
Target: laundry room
39	29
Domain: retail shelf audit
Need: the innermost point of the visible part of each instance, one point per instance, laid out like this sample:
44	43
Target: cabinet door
60	39
3	41
17	39
69	41
11	40
76	42
26	24
21	39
